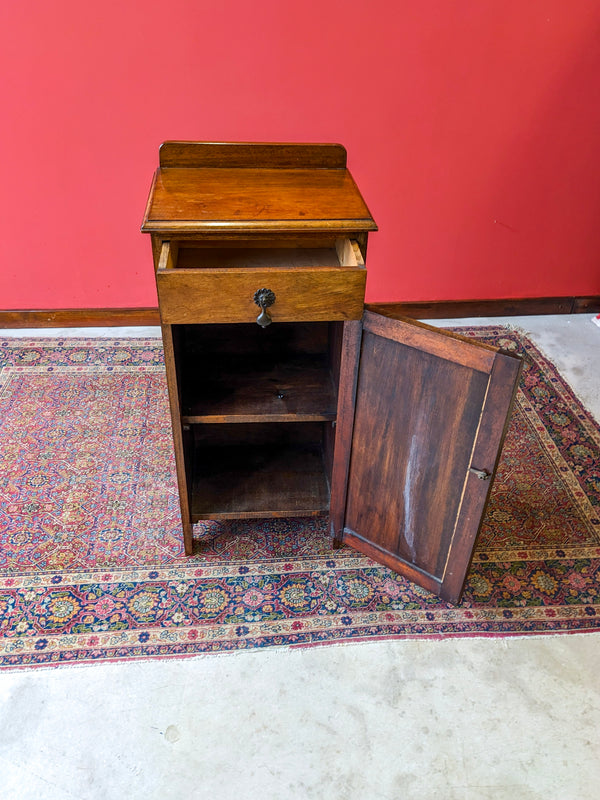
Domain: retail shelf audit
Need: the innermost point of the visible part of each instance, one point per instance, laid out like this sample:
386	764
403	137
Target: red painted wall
473	130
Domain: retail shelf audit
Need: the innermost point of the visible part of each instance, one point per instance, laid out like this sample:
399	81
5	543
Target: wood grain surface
427	410
252	154
255	200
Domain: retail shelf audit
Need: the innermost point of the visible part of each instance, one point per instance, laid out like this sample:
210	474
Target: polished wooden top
254	195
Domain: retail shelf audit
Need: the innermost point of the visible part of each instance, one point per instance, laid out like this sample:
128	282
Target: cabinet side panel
171	346
335	339
348	371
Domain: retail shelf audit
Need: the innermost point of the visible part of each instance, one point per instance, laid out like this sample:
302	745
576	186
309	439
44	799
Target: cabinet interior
258	408
295	253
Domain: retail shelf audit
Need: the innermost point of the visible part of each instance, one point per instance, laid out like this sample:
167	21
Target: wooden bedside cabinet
287	397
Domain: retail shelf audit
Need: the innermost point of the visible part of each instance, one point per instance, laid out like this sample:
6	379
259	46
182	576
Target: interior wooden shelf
240	390
255	480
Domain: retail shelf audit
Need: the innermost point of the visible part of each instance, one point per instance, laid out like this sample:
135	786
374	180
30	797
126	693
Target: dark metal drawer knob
263	299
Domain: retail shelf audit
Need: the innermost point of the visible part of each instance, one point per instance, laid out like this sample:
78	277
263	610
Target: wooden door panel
413	452
426	411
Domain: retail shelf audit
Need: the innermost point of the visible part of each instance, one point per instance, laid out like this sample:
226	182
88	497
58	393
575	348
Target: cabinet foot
188	538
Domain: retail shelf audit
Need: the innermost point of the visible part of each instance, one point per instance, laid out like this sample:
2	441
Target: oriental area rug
91	556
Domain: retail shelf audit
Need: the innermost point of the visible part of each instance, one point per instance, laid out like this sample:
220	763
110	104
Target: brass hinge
482	474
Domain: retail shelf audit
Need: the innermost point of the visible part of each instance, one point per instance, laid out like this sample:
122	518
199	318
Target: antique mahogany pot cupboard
287	397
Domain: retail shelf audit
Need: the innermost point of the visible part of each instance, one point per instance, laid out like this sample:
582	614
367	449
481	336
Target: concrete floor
464	719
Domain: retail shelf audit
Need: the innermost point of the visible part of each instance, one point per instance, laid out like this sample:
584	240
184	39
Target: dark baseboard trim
434	309
456	309
80	318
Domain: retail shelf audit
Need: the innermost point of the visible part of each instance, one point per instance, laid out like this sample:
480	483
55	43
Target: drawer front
188	296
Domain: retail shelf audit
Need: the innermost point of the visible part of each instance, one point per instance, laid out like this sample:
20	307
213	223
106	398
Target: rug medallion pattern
91	557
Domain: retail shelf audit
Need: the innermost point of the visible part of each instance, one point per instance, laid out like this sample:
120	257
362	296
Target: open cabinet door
422	441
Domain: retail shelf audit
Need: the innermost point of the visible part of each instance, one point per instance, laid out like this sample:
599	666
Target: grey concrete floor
464	719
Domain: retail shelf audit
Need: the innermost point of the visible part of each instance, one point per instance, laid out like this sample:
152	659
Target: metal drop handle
263	299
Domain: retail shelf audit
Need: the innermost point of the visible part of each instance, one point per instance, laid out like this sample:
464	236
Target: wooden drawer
206	283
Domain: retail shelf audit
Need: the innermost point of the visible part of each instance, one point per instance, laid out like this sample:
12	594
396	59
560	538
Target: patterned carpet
91	557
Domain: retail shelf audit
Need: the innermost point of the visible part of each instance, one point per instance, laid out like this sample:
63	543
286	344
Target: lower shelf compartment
234	480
